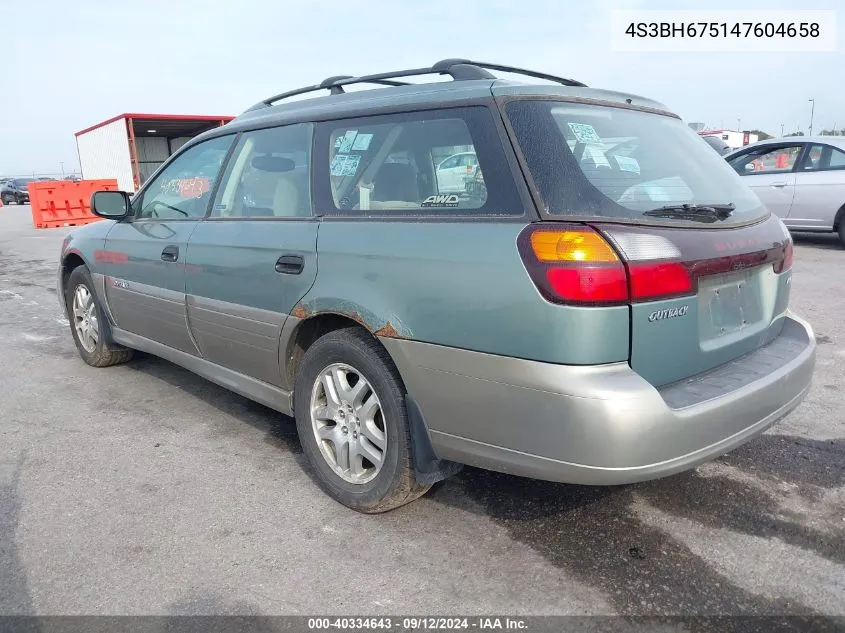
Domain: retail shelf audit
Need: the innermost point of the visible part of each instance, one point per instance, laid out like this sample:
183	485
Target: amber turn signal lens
571	246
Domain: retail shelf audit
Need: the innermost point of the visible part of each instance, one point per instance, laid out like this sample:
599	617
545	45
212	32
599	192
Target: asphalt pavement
143	489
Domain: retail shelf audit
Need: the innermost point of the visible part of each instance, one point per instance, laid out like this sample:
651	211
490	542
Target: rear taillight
577	265
659	280
617	264
786	262
573	265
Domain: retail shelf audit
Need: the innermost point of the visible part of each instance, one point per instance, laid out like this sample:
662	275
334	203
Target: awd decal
669	313
119	283
441	201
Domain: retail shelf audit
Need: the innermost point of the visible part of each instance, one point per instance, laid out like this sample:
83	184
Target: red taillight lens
786	262
589	284
574	265
659	280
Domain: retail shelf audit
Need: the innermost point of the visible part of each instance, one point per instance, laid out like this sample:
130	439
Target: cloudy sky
72	63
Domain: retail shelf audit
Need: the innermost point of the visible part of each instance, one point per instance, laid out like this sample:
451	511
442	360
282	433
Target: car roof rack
458	69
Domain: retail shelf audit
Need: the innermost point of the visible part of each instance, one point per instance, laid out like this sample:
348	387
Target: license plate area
729	305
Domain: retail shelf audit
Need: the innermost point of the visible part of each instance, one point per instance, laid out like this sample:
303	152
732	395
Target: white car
452	172
800	179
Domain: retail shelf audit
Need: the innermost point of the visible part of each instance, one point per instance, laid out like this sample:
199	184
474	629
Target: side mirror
112	205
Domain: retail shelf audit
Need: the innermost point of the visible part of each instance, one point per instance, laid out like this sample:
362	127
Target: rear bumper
604	424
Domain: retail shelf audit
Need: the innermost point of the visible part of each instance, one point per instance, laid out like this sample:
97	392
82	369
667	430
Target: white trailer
130	146
733	138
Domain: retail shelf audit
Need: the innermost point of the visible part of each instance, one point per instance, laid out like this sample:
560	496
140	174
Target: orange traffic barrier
64	202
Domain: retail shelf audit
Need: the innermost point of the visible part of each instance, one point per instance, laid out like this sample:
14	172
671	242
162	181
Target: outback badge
668	313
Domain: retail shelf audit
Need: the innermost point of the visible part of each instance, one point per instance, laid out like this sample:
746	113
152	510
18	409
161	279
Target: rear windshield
613	162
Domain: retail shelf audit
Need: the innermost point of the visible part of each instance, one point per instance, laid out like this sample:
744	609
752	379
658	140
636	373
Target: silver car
800	179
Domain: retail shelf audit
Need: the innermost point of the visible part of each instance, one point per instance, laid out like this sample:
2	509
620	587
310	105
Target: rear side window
602	161
421	163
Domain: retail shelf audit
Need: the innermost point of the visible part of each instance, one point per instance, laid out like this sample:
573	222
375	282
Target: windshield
591	160
23	181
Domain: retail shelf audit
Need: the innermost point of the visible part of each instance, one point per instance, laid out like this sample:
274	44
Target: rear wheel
88	323
842	232
352	423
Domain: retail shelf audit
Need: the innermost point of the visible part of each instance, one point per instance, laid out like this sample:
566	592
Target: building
130	147
733	138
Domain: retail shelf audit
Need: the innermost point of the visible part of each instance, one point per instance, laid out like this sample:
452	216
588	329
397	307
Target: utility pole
63	168
738	124
812	111
781	130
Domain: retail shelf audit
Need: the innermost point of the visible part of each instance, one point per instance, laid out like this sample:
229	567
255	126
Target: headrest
275	164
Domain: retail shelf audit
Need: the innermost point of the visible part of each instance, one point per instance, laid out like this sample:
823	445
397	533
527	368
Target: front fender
82	246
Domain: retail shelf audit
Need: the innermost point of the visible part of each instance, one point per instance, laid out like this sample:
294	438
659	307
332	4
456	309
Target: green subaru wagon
537	278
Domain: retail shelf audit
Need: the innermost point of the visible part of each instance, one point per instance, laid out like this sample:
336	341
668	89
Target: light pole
812	110
781	130
63	168
738	124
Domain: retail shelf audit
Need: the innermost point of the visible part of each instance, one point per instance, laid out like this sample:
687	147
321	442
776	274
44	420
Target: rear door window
433	162
823	158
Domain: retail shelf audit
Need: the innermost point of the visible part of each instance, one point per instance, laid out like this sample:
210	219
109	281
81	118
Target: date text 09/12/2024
416	624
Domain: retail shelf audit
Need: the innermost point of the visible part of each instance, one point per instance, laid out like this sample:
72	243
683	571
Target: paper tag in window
362	142
626	163
350	166
338	163
584	133
347	141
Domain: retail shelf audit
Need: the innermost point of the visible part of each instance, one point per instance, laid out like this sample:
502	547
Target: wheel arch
308	327
71	260
838	218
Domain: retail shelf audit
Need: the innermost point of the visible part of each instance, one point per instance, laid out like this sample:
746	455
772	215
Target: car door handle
779	185
290	264
170	254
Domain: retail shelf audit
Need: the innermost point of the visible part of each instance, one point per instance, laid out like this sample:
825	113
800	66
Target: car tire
842	231
88	323
360	419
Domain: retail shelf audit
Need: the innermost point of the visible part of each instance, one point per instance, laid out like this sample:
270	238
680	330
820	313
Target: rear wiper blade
699	212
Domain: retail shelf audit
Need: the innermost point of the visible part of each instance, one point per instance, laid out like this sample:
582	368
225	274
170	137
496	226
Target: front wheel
842	231
88	322
352	423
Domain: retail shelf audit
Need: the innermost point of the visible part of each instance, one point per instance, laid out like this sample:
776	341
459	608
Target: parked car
610	306
15	191
453	172
799	179
718	144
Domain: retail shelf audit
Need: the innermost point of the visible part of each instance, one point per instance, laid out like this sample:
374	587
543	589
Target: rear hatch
703	266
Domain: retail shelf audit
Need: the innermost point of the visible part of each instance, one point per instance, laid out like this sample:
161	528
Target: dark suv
595	298
15	190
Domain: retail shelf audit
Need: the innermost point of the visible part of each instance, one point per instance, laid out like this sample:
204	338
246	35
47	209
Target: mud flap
428	468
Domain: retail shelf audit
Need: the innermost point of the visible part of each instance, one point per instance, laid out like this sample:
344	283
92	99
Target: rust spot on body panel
388	331
300	311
